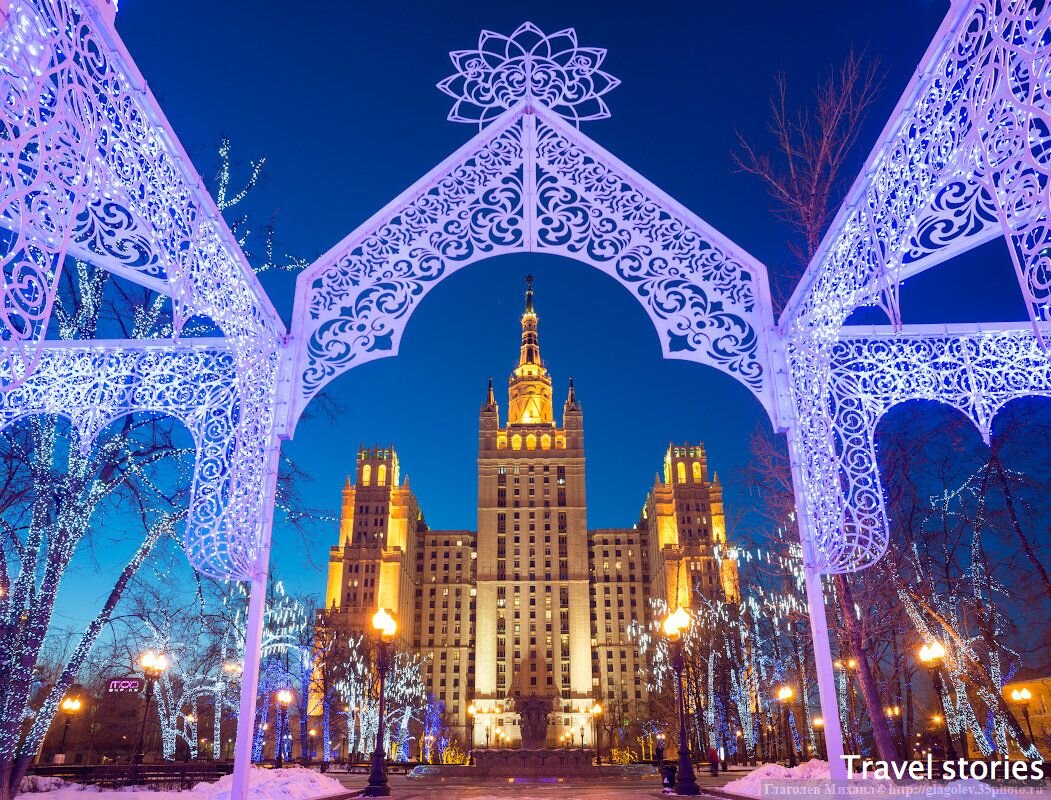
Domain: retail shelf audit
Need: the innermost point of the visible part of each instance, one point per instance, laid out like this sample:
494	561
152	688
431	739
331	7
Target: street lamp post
284	697
71	705
894	718
785	695
596	711
931	656
153	666
386	626
819	723
674	625
660	750
1022	697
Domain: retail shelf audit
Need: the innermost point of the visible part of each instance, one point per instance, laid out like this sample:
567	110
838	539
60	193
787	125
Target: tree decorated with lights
53	487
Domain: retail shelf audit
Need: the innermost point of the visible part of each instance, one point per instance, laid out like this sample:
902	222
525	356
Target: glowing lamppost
894	717
153	666
386	626
284	698
486	716
71	705
931	656
819	723
1021	696
596	712
357	730
660	750
785	695
674	624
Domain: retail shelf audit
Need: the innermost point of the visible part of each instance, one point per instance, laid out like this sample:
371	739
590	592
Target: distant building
527	618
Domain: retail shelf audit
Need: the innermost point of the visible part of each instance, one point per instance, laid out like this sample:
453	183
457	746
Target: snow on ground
292	783
816	771
751	785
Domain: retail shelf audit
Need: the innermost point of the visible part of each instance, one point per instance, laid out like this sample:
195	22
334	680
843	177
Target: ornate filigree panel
89	166
42	168
963	159
87	155
532	182
707	298
528	65
1009	44
352	303
92	384
976	373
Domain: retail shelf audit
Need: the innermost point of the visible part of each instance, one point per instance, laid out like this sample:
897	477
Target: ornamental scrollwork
706	298
89	167
525	66
532	182
195	383
963	161
977	373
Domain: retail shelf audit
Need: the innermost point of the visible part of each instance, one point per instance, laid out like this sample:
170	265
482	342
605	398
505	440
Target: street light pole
819	723
71	705
153	666
1022	697
785	694
596	710
284	697
383	621
685	779
931	655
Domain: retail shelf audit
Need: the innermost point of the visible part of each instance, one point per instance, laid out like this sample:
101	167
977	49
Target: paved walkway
404	788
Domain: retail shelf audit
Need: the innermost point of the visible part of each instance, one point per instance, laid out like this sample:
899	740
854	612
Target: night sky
340	98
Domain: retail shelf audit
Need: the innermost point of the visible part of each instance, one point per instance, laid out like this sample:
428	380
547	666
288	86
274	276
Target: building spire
530	386
529	359
571	399
490	398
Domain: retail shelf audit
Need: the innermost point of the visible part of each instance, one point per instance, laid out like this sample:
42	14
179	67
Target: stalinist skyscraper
533	648
526	621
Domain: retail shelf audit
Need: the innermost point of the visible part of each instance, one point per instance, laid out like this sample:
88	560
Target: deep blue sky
340	98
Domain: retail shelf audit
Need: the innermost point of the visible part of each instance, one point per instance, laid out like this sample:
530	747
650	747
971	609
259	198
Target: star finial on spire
530	65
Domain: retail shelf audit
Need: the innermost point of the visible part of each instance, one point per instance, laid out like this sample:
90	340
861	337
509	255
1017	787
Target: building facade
527	618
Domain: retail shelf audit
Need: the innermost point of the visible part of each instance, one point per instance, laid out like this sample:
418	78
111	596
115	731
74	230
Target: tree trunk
880	731
1027	546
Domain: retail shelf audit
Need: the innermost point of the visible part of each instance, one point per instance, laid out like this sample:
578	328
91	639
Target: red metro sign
126	685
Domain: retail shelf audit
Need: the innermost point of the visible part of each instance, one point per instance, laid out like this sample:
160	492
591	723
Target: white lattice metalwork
528	65
94	383
531	182
90	168
962	160
976	372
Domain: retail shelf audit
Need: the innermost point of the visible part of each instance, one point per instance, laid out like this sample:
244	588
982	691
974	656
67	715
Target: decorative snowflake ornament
528	64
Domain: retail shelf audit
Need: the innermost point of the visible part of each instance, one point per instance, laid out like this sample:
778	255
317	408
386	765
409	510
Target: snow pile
43	783
292	783
751	785
816	770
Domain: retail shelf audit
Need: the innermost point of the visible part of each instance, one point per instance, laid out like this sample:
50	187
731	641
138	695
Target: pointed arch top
530	181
